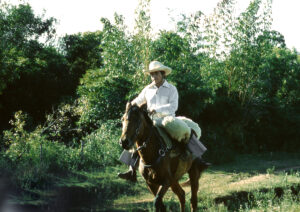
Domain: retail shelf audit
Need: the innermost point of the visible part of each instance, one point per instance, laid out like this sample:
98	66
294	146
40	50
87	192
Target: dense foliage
235	77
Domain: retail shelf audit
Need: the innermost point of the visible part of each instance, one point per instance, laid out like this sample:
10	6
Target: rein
162	150
145	142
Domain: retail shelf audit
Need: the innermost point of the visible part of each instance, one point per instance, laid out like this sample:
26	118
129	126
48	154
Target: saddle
176	148
176	133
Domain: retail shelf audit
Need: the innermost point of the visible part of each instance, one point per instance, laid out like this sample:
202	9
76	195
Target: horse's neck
150	153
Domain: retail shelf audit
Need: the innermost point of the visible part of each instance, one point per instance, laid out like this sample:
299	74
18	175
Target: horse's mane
143	109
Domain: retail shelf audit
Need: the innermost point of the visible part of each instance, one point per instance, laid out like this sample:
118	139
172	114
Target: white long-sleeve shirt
164	100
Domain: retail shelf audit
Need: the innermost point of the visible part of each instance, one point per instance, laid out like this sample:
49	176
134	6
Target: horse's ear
128	105
144	107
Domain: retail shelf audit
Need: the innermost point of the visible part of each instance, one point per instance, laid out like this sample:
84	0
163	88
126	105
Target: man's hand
152	111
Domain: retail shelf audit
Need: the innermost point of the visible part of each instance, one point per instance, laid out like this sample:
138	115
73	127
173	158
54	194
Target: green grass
249	183
260	182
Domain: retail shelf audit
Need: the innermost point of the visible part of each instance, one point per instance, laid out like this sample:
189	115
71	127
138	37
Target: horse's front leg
158	203
176	188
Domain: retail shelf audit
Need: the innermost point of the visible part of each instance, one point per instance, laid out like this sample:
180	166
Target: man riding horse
161	98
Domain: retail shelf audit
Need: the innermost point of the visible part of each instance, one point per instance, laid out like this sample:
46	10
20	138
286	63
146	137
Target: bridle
145	142
162	150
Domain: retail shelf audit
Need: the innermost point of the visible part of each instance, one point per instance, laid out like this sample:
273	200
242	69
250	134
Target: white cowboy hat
157	66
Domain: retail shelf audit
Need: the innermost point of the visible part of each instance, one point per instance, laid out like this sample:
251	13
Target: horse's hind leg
194	174
176	188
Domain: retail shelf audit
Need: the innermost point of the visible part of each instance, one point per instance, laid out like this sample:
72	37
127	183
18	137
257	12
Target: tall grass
31	159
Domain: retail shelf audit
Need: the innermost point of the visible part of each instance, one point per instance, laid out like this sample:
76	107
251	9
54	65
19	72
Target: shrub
61	124
31	157
101	147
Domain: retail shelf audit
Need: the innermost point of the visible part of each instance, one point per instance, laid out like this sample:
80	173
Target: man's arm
140	99
172	106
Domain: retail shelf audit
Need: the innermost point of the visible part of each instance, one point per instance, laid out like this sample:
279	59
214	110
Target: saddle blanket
179	128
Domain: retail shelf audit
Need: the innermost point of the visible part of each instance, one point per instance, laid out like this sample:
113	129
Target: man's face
157	77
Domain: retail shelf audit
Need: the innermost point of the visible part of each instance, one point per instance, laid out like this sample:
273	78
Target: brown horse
156	166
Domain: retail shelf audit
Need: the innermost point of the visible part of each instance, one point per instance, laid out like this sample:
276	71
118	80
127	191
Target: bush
61	124
30	157
101	147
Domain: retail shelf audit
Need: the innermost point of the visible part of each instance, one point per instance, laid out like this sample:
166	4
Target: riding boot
130	175
197	148
202	164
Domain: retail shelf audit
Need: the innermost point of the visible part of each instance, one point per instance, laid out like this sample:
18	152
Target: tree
19	31
176	52
33	74
82	52
141	40
103	91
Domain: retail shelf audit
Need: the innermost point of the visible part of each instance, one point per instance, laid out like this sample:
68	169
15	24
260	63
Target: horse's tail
200	168
186	183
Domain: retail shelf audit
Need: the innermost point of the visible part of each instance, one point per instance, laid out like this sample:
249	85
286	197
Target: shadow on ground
236	200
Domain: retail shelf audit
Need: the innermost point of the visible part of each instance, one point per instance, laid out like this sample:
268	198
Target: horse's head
133	126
